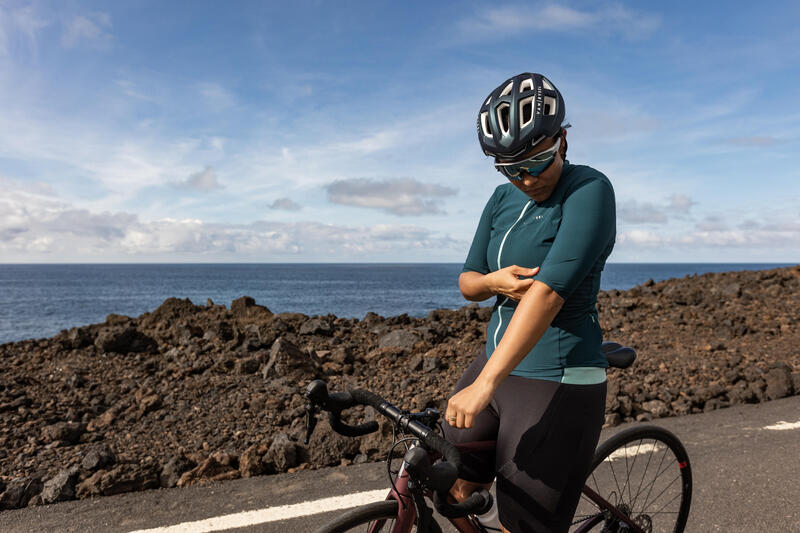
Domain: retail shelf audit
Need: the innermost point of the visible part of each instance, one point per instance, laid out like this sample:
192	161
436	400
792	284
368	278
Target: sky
345	131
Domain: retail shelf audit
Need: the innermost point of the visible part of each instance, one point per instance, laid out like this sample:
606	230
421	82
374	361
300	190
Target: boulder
173	469
19	491
779	381
214	468
61	487
251	462
657	408
248	365
282	452
171	309
77	338
399	338
286	359
122	478
316	326
98	457
64	432
247	306
124	339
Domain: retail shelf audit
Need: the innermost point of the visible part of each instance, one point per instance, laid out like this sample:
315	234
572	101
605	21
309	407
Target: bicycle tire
361	519
626	448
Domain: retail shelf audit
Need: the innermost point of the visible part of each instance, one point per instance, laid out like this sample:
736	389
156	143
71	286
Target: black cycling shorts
546	435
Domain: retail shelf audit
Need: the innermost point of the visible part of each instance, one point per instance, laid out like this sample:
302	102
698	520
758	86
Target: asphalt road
745	480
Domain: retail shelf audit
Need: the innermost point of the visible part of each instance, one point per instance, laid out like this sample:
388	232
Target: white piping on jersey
500	251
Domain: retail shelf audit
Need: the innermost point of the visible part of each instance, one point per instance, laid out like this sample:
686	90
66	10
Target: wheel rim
645	479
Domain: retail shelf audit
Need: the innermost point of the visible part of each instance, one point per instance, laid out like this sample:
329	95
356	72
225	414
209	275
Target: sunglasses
534	165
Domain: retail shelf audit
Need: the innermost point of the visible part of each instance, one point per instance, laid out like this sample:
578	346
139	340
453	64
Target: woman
541	244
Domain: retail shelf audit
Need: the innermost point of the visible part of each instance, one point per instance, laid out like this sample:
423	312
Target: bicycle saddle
618	356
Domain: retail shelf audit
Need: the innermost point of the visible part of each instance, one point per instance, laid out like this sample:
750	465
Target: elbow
464	291
467	289
551	298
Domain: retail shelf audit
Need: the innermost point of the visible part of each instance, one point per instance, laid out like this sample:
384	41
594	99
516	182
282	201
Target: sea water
40	300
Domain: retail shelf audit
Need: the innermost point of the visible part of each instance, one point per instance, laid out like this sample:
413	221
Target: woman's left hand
465	405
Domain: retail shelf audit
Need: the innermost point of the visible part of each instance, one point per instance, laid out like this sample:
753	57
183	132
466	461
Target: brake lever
311	420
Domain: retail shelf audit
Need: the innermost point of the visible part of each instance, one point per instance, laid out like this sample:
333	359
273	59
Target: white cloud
681	203
611	18
640	238
711	223
715	236
641	213
205	180
285	204
20	25
87	30
36	225
637	212
398	196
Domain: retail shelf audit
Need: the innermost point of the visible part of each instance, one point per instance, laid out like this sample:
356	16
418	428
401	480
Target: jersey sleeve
476	258
588	225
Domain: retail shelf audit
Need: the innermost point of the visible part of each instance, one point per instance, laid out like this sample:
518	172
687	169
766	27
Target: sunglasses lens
538	169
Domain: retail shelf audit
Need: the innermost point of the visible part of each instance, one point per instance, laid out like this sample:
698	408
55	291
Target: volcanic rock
61	487
124	339
399	338
186	399
98	457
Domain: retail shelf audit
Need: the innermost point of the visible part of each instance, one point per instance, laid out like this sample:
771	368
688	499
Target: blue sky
344	131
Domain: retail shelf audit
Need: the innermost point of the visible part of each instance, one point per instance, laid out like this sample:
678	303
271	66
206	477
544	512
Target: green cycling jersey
569	236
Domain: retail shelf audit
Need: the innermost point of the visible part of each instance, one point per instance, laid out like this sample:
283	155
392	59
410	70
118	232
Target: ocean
40	300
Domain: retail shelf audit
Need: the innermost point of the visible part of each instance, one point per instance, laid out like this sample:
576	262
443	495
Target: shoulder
586	179
502	192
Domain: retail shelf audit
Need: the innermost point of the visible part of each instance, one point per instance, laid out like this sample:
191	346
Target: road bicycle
640	479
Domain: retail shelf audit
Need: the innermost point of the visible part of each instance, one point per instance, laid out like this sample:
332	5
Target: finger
468	419
533	271
460	420
448	414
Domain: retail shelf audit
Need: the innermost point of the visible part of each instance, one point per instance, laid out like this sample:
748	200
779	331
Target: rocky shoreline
193	394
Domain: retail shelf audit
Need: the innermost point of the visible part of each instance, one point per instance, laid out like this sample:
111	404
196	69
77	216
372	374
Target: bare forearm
534	313
474	286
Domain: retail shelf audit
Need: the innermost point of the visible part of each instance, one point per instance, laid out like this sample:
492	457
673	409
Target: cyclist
540	246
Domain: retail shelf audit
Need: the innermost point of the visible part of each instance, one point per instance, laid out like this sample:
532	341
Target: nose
528	180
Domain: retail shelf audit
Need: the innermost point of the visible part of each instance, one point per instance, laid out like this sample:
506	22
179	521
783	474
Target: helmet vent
487	130
547	84
549	105
526	110
488	100
526	85
507	89
503	116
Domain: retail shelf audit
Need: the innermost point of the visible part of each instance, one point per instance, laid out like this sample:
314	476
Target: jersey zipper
499	252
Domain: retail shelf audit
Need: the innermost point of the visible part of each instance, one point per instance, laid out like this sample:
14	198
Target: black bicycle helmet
518	114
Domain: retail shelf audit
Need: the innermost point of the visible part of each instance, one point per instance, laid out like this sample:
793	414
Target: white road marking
784	425
631	450
272	514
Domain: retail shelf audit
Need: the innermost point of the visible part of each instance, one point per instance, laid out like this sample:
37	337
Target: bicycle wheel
644	472
375	517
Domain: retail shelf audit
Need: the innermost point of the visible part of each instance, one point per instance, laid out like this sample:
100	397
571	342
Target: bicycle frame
407	511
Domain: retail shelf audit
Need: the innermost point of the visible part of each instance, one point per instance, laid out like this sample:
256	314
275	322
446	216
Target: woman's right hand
506	281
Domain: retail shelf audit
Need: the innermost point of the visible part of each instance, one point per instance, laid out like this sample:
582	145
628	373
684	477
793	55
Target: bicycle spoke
633	464
613	473
658	473
652	485
665	488
644	474
660	511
